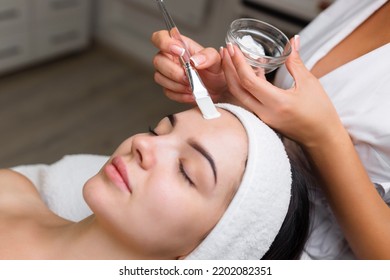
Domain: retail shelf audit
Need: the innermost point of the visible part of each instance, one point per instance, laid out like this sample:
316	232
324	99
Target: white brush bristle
207	107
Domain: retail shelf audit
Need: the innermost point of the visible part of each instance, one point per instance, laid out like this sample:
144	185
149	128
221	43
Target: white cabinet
14	15
127	25
15	47
33	30
15	50
61	26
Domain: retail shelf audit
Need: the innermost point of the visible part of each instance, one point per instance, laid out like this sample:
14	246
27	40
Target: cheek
171	201
163	196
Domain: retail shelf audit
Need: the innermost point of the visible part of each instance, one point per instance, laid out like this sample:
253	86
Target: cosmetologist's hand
303	113
171	75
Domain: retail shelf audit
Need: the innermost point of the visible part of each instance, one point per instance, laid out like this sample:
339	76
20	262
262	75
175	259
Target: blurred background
76	76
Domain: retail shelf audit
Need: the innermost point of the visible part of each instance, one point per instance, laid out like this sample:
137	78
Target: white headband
257	211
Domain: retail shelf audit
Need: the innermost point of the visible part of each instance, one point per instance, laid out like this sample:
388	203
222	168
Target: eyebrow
199	148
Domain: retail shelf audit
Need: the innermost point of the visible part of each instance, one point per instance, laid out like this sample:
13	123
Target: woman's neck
88	239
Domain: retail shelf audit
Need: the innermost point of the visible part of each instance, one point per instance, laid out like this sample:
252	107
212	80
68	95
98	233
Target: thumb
294	63
207	58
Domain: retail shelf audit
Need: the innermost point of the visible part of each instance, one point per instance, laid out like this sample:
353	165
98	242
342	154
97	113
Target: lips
117	173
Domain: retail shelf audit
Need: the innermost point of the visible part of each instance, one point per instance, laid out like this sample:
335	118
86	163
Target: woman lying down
189	189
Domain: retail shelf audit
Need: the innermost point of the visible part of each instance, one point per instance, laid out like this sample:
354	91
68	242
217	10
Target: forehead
224	137
227	124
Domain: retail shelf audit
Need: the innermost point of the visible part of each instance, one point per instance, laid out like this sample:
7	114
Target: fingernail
221	51
230	48
175	49
296	42
198	59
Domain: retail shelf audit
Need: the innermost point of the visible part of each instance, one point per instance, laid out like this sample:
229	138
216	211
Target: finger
234	85
164	42
207	58
179	97
170	84
294	63
170	69
192	46
242	95
260	88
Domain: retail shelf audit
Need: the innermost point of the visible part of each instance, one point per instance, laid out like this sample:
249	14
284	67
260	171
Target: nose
144	148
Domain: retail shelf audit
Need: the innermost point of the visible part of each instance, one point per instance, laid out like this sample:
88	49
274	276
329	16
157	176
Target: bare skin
369	36
155	186
20	202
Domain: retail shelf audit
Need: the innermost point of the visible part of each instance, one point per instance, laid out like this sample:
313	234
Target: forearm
362	214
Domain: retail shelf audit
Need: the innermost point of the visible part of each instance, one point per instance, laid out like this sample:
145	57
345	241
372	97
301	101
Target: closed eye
184	174
152	131
182	171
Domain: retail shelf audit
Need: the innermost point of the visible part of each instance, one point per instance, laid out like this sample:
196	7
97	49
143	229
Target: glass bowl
264	46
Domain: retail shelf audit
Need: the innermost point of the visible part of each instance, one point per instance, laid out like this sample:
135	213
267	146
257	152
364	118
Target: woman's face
163	191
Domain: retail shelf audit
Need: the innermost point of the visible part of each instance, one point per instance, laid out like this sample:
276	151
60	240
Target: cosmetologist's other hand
303	113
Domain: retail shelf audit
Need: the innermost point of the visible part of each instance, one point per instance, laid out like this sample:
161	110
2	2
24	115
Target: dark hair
292	236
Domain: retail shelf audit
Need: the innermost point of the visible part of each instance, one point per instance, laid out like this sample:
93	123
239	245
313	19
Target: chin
93	191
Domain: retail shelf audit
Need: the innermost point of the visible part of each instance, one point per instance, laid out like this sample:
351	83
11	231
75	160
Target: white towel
258	209
60	184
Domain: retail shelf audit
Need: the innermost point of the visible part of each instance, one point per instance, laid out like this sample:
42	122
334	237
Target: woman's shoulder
16	192
12	181
24	218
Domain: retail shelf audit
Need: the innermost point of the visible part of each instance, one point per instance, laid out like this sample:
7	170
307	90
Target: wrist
333	138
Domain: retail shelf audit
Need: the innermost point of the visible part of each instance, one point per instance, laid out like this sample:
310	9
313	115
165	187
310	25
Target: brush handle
174	31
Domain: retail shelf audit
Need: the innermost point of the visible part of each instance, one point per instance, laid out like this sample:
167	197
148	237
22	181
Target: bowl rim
289	50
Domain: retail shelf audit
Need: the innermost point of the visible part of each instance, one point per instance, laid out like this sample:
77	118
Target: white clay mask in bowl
256	49
264	46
